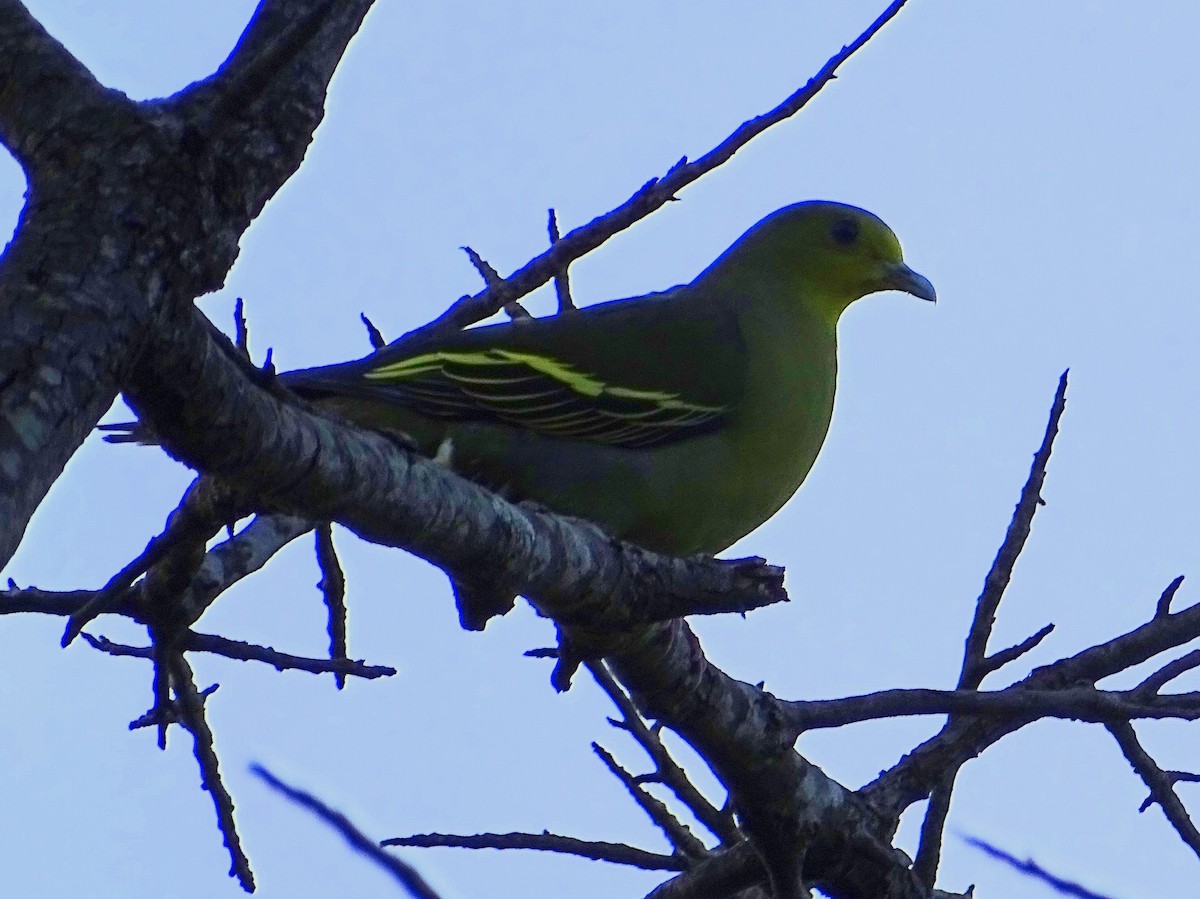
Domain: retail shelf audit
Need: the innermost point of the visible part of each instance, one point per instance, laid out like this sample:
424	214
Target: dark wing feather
631	373
542	393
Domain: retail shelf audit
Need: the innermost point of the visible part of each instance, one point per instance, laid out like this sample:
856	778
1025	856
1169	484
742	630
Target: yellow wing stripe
542	393
561	372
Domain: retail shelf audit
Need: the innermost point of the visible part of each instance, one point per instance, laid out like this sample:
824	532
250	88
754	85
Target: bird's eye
844	232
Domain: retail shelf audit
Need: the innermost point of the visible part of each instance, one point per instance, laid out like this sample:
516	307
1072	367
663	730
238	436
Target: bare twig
677	833
1163	607
191	708
1160	784
242	333
976	663
1080	703
651	196
998	660
247	652
1168	672
616	853
720	822
1034	870
974	667
1173	777
966	736
562	282
203	511
402	872
492	279
333	588
373	334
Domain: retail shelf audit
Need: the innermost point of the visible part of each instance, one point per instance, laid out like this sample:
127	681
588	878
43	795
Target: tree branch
616	853
402	872
651	196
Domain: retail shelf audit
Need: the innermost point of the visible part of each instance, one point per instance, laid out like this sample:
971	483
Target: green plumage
680	420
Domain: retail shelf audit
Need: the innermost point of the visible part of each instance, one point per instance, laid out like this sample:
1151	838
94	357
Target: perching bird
680	420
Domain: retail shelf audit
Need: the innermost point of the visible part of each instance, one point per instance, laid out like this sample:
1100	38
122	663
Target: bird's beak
901	277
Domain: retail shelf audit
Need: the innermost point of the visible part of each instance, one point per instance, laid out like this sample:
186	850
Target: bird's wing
632	373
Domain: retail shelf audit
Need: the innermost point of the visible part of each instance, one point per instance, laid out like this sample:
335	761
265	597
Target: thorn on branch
1163	608
242	339
492	280
373	334
1173	777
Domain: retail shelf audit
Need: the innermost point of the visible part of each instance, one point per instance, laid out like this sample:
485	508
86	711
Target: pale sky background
1037	159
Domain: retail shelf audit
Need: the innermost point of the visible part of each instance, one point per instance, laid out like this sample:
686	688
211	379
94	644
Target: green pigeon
679	420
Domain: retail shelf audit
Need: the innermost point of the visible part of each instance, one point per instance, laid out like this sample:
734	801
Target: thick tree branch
41	86
170	195
787	806
304	464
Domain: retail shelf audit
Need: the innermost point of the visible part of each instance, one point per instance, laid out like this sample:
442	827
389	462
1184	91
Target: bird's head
832	253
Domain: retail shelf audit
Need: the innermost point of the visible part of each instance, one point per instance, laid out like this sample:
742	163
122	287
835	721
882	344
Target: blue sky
1037	161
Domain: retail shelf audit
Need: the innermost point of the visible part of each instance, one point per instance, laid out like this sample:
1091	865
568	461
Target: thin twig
562	279
492	279
248	652
677	833
242	333
1168	672
651	196
974	657
333	589
192	717
976	663
998	660
1163	607
1174	777
1157	781
616	853
373	334
720	823
402	872
203	511
1034	870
